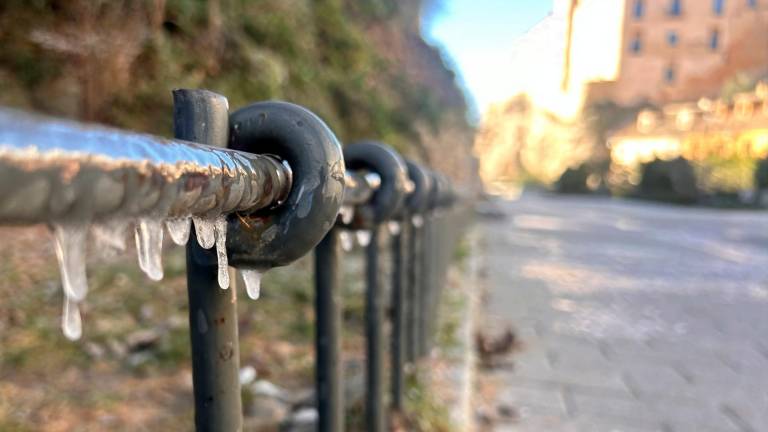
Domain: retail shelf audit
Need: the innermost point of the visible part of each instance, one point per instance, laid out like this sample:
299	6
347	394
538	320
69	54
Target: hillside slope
361	65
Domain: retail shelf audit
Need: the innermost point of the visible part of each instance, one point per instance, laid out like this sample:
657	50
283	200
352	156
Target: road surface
634	316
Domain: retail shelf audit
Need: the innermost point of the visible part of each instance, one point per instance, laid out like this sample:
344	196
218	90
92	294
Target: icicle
347	213
363	237
110	236
220	229
252	279
71	323
70	252
347	243
418	221
205	232
149	246
179	228
393	227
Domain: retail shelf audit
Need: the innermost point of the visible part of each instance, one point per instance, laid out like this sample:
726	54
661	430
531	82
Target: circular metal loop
418	200
280	235
441	194
445	195
391	168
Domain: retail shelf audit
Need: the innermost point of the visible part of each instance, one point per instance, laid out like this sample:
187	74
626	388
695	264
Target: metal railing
281	189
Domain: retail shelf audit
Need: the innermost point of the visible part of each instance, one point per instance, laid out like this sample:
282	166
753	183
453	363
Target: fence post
374	336
385	203
202	116
412	291
399	239
328	384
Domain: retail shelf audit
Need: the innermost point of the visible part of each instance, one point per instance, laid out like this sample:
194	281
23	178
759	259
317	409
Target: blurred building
722	138
588	67
662	51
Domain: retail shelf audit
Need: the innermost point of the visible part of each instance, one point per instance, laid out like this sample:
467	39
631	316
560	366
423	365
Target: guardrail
282	188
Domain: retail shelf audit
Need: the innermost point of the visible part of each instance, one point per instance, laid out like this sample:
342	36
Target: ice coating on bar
204	229
220	229
178	228
70	252
110	236
346	240
346	213
393	227
71	323
252	279
417	221
363	237
149	247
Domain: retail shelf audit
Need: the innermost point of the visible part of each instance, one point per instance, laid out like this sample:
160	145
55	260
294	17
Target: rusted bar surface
57	170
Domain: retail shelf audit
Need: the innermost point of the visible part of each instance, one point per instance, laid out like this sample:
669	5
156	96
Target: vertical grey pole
374	337
411	292
202	116
398	318
328	386
424	289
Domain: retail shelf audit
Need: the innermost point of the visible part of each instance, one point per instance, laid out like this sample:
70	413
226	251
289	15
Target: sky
477	35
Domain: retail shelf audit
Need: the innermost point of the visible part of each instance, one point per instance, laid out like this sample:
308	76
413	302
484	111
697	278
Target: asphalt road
634	316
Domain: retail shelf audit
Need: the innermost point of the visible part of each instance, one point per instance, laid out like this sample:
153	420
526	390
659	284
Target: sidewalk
633	317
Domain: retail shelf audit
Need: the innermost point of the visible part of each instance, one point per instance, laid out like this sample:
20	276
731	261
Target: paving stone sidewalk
634	316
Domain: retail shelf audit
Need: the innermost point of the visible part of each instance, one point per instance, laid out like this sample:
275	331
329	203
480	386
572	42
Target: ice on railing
346	240
393	227
179	228
70	253
205	231
347	214
71	323
363	237
110	237
220	229
252	279
417	221
149	247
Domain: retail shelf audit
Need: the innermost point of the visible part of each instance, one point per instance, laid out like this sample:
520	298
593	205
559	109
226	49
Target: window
675	8
718	6
637	44
639	9
669	74
714	39
672	38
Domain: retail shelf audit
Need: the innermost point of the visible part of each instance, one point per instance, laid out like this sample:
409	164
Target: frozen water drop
418	221
70	252
220	228
252	279
204	229
347	214
393	227
149	247
71	323
347	243
179	228
110	236
363	237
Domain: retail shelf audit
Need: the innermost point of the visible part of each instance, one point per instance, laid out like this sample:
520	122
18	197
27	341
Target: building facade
668	50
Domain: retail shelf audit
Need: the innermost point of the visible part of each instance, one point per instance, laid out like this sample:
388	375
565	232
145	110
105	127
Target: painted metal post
374	332
202	116
328	385
399	306
411	292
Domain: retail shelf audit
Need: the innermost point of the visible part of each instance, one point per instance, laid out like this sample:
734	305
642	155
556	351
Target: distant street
634	316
